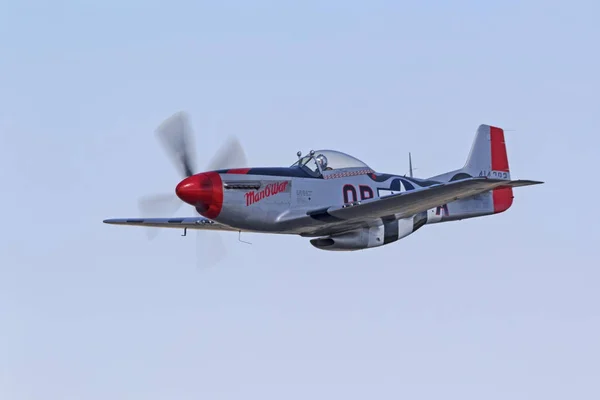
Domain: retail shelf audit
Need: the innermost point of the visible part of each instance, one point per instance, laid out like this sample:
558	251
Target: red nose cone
203	191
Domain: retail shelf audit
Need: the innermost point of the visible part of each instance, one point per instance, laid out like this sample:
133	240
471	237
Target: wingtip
525	182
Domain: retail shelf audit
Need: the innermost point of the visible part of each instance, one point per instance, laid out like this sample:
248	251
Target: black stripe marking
419	220
390	229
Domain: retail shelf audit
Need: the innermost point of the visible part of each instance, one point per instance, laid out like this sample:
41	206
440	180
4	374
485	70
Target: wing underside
178	223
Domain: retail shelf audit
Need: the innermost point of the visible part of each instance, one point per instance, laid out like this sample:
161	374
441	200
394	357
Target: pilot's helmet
322	161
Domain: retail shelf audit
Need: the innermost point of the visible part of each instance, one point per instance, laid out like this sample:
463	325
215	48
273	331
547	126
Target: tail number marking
494	174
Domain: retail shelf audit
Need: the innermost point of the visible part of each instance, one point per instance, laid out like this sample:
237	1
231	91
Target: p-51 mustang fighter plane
332	197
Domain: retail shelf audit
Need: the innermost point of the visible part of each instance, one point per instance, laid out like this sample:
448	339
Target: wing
412	202
179	223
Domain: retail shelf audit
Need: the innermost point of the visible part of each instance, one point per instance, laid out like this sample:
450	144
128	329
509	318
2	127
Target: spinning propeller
176	135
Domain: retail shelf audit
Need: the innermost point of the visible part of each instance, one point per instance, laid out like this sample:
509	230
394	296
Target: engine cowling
387	232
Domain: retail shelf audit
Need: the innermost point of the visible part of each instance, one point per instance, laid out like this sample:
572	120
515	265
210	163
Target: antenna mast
410	168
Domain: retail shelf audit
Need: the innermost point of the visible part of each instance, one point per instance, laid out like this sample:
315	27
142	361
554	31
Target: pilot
322	161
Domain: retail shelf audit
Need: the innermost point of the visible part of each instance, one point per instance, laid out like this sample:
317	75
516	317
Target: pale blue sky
499	307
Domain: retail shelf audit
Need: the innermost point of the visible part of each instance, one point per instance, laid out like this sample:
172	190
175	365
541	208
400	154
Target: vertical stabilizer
488	157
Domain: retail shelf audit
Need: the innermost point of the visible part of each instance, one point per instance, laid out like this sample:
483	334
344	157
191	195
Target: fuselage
282	199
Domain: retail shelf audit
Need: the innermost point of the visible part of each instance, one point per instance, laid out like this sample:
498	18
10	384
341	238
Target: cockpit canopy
322	161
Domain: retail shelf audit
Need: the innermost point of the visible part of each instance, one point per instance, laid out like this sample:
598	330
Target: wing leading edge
178	223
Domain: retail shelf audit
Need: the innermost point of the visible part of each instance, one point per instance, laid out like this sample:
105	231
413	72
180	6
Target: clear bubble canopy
329	160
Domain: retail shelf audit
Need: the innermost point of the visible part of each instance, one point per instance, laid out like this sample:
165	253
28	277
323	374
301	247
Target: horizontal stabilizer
521	182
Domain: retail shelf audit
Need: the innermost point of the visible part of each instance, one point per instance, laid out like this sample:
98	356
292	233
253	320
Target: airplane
332	198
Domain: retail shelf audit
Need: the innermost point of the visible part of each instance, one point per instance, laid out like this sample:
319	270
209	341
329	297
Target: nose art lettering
271	189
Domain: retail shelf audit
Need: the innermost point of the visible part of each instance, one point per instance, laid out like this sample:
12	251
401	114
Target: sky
505	306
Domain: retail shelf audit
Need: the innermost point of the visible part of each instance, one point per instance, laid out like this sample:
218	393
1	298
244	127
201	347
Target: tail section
488	157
